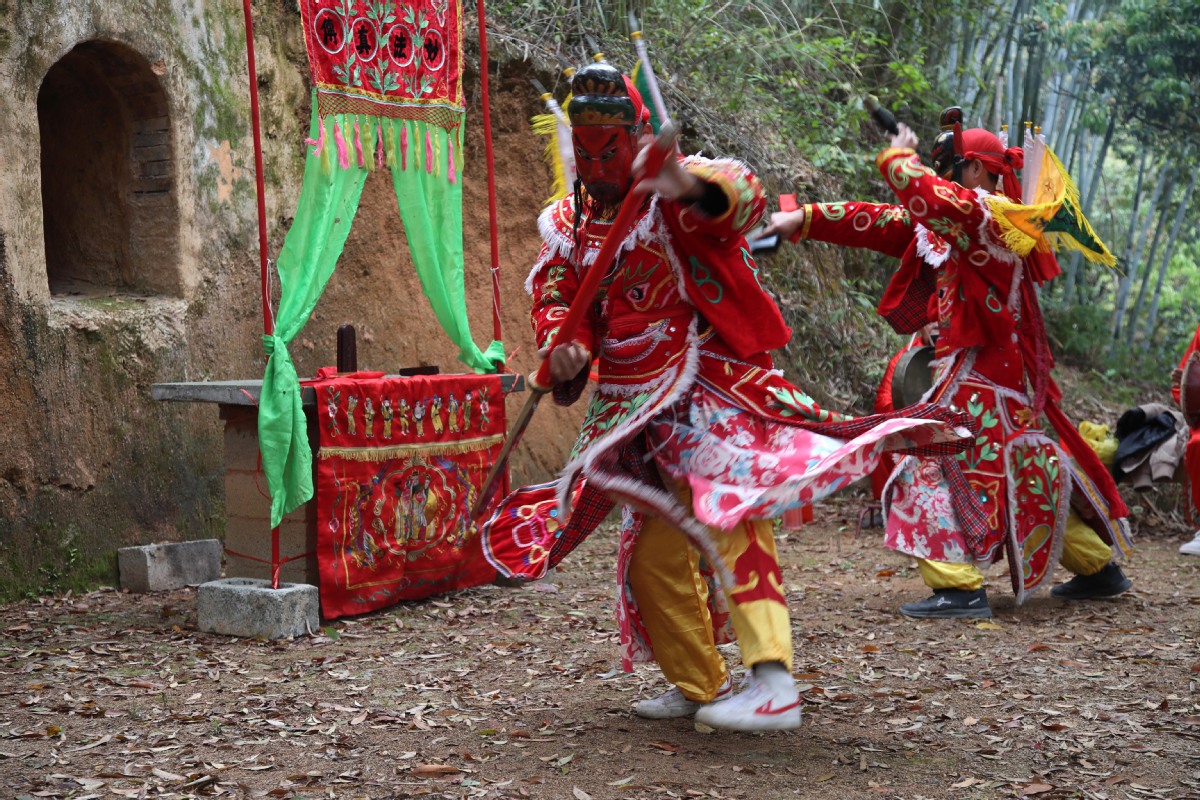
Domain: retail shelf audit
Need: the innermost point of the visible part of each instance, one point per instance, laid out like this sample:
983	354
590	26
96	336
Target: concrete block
250	607
161	567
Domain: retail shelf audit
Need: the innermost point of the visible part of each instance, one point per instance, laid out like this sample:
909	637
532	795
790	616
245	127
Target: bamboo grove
1114	84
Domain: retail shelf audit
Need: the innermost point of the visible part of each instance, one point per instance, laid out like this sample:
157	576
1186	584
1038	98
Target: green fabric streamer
431	208
642	84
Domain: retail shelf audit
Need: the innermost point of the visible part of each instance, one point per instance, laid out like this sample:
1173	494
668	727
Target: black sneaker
1108	582
950	604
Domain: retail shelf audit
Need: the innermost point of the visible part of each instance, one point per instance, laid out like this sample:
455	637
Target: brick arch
110	214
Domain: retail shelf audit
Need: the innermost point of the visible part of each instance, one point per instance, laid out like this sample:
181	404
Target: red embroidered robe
681	327
994	364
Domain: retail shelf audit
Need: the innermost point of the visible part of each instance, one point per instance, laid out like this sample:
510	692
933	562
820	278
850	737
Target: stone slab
246	392
251	608
163	567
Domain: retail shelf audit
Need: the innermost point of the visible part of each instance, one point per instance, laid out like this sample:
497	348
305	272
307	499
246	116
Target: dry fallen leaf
434	769
1035	788
580	794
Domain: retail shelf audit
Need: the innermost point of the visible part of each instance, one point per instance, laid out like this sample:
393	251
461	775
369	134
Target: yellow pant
1083	553
672	599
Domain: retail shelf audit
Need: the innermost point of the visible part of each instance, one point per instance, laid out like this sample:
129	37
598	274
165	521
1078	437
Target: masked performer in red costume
1030	499
1191	456
690	427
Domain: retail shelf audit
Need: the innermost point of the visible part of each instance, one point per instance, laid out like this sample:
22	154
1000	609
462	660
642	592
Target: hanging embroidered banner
386	59
401	462
387	93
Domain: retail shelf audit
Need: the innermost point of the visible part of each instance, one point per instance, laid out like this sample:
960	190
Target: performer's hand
784	224
1176	378
905	138
566	361
673	182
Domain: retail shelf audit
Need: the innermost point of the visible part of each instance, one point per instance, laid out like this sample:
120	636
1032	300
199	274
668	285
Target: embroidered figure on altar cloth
331	406
364	545
351	422
419	417
467	411
420	496
385	411
453	407
435	413
404	512
369	417
402	410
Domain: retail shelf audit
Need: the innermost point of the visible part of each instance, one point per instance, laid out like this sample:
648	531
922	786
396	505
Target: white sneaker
672	704
1191	548
758	708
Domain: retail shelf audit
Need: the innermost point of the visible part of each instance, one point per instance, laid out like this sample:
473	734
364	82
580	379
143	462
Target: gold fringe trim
1064	240
547	125
401	450
1014	238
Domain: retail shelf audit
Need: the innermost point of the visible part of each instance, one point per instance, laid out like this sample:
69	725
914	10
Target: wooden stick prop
639	42
540	383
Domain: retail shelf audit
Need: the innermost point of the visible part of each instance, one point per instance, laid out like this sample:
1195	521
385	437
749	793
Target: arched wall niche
110	213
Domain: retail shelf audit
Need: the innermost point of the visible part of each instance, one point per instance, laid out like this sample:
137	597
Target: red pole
258	168
268	328
491	171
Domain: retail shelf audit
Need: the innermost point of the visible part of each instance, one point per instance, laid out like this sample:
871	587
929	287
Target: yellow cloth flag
559	154
1050	218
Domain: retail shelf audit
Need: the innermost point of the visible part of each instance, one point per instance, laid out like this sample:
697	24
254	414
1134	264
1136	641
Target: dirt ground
510	693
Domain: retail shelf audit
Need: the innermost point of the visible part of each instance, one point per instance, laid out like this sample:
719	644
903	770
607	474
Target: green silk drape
430	205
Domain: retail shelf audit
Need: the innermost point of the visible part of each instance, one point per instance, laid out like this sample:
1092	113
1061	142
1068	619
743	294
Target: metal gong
1189	391
913	376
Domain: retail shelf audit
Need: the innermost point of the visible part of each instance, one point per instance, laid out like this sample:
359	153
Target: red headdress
979	144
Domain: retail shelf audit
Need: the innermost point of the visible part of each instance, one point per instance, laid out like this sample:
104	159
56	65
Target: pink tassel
379	157
403	147
343	152
428	152
450	159
358	146
319	142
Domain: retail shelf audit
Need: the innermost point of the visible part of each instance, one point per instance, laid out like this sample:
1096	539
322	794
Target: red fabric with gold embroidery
401	462
380	59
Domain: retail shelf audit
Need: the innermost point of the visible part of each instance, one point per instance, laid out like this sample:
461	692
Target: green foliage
1146	55
791	74
779	83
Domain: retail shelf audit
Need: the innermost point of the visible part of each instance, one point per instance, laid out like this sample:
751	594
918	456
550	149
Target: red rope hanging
268	327
491	171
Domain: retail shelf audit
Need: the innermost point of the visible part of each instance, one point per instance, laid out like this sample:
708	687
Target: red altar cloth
401	462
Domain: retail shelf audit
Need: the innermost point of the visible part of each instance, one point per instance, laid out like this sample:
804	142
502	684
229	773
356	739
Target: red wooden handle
663	146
